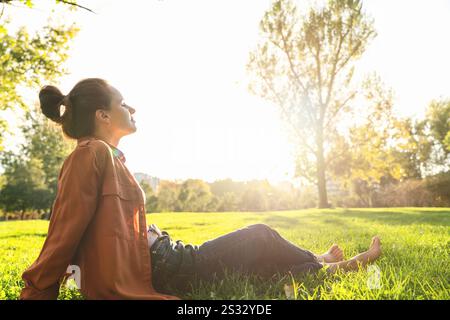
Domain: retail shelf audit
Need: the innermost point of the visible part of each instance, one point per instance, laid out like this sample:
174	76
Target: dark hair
78	119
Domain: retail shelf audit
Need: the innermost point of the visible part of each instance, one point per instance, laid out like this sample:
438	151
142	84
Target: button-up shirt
98	225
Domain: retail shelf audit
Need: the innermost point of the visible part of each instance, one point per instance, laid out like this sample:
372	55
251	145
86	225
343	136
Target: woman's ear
102	116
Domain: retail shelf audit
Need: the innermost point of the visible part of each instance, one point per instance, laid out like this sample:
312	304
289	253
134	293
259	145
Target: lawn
415	262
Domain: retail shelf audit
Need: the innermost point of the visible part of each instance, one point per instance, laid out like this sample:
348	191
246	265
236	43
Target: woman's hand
151	236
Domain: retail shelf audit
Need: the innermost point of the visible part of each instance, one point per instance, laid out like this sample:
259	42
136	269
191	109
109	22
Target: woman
98	219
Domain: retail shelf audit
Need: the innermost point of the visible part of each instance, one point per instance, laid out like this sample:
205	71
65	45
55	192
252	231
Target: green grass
415	262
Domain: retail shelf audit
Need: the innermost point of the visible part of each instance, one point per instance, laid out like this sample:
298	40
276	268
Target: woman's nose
132	110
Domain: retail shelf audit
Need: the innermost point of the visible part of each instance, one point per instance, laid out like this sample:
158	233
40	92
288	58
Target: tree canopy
29	61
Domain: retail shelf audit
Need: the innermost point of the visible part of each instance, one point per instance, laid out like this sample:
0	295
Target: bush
408	193
439	186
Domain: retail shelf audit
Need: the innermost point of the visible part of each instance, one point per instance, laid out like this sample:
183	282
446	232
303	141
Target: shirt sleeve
74	206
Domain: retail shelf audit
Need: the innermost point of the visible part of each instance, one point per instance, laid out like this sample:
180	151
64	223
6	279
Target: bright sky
181	64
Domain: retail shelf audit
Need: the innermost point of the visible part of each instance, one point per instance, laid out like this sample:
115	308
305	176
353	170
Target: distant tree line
196	195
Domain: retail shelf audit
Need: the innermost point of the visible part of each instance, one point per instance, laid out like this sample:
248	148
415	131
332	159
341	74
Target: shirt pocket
121	208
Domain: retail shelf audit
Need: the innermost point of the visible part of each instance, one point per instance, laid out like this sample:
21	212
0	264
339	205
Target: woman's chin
131	130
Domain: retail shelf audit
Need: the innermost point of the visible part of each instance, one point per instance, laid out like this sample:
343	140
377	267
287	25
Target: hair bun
51	99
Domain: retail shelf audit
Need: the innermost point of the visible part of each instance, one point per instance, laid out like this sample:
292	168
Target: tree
45	141
25	187
447	141
41	157
221	187
413	148
305	65
438	123
168	196
439	186
195	195
367	160
256	196
151	203
228	201
28	61
30	3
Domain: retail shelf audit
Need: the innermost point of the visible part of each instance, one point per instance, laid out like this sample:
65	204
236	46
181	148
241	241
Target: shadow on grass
235	285
278	221
201	224
23	235
176	228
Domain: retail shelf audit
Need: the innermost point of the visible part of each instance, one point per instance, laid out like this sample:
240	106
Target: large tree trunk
321	180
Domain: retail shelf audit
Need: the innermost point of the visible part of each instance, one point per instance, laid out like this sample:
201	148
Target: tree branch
319	72
333	71
76	5
70	3
336	111
311	114
327	162
312	179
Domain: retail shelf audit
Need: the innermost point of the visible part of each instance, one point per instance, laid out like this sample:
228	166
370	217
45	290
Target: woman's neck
114	141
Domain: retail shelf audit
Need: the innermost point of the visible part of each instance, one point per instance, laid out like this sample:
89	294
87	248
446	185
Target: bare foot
334	254
374	251
361	259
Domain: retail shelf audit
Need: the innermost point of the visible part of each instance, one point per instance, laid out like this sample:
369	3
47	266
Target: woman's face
121	120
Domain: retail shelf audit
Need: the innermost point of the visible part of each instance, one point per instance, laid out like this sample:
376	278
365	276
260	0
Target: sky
181	65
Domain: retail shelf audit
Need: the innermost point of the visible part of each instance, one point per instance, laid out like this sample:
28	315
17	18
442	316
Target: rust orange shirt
98	224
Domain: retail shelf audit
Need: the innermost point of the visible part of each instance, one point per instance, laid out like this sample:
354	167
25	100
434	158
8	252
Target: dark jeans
255	249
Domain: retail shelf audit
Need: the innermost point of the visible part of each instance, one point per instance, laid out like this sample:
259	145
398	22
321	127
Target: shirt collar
116	152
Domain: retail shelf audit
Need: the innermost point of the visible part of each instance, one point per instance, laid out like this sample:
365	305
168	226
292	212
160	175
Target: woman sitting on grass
98	223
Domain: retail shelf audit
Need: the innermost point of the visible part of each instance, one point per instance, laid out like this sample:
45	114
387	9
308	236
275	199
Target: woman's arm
74	206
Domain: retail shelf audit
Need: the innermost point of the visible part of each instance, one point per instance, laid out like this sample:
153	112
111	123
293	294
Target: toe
375	242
